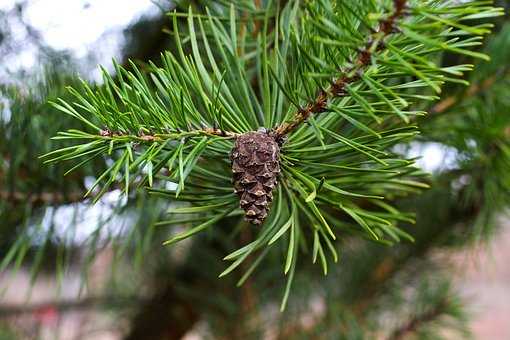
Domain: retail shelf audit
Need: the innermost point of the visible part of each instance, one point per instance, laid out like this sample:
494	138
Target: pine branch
419	321
92	302
159	137
473	90
374	43
335	174
45	198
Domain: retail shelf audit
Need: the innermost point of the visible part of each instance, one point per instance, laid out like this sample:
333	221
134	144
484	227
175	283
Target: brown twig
417	321
149	137
13	310
338	86
17	197
471	91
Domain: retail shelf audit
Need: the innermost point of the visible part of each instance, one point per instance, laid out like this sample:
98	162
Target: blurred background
73	270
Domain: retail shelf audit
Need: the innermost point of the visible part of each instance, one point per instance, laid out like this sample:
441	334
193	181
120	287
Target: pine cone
255	167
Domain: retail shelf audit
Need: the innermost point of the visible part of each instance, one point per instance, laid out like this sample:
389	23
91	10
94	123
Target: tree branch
47	198
473	90
8	310
418	320
159	137
337	88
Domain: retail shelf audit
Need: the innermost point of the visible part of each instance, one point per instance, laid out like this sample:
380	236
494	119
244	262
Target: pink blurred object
47	315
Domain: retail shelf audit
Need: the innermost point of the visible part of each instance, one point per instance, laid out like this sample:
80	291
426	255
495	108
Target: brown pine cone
255	167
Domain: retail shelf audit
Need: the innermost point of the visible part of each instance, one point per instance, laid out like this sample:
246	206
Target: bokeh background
73	270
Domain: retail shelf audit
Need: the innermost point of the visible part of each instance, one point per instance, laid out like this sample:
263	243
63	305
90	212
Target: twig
41	198
337	88
7	310
417	321
159	137
472	90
